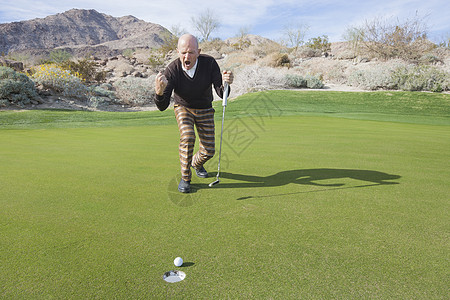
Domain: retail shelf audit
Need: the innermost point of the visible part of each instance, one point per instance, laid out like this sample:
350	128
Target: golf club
224	104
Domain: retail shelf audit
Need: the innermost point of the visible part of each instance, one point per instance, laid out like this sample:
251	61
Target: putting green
307	207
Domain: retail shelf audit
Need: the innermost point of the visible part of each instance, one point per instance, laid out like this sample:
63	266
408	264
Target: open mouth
187	63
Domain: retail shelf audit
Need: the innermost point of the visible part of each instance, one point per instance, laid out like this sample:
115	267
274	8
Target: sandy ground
339	88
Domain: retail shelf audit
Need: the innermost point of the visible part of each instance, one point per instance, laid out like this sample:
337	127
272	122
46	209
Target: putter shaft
224	104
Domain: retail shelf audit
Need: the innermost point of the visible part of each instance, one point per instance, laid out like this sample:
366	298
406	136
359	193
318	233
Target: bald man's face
188	52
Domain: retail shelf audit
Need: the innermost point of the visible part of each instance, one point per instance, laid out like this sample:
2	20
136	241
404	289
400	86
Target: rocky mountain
80	29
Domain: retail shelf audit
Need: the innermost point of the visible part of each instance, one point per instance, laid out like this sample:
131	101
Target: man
191	78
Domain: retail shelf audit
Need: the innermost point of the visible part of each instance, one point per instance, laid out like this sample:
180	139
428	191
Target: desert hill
79	28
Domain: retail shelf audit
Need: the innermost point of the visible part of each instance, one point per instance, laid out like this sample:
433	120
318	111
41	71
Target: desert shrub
128	52
101	94
445	42
281	60
319	43
254	78
213	45
59	80
336	72
96	101
305	52
397	75
421	78
265	53
359	78
59	56
377	77
430	58
103	90
15	88
241	43
156	61
135	91
22	57
295	81
386	39
241	58
86	69
354	36
170	42
259	52
313	82
294	35
210	45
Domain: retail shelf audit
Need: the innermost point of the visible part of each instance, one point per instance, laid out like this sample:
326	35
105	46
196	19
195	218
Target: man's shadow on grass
310	177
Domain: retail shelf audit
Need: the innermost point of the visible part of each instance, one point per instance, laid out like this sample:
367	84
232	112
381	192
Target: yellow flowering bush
61	81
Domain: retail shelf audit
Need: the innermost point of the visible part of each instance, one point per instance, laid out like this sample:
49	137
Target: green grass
42	119
423	108
418	108
309	206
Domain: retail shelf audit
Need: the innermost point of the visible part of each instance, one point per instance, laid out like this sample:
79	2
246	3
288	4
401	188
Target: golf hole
174	276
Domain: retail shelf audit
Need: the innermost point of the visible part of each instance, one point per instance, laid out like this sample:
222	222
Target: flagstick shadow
306	192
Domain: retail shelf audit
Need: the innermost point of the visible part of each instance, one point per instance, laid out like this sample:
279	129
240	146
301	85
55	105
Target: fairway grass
309	206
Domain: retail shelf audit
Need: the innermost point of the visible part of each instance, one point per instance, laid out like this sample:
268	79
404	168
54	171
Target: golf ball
178	261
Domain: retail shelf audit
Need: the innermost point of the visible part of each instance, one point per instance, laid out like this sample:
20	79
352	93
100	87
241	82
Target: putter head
214	183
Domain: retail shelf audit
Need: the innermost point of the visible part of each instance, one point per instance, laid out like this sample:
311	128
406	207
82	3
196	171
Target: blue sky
267	18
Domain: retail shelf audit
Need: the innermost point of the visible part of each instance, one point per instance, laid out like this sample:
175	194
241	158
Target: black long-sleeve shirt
193	92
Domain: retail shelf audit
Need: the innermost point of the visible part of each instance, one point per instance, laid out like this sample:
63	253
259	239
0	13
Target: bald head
188	51
188	39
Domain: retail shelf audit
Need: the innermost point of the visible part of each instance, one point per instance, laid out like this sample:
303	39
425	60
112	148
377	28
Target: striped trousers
203	119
